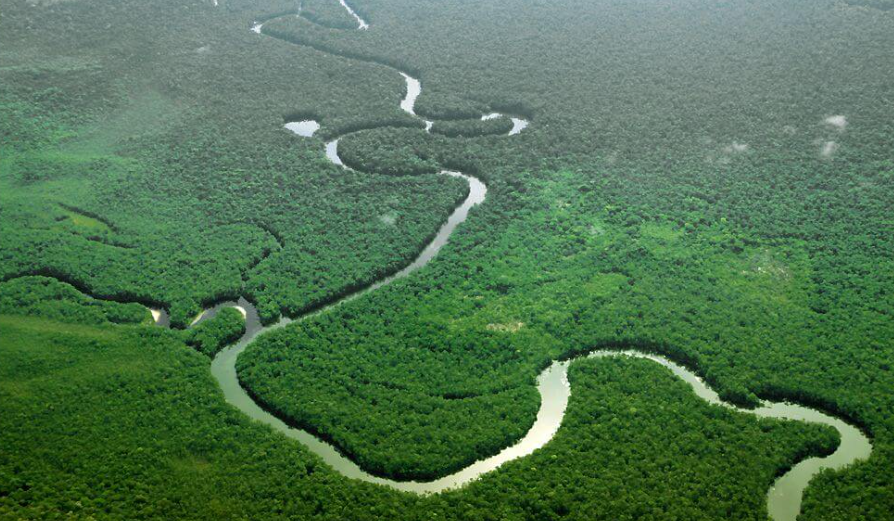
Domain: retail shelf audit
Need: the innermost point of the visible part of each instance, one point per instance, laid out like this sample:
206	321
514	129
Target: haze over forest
447	260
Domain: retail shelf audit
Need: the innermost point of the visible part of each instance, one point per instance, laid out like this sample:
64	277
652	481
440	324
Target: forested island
488	189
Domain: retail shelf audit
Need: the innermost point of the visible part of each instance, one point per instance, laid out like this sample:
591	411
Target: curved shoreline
361	23
783	498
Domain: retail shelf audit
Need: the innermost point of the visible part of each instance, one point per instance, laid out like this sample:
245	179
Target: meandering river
783	498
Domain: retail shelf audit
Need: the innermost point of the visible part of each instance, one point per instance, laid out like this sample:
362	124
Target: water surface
305	128
361	23
783	499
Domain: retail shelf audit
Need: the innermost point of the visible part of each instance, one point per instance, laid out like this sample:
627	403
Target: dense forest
210	336
884	5
48	298
124	422
708	180
199	203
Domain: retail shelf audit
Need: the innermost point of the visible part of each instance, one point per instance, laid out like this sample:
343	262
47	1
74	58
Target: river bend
783	498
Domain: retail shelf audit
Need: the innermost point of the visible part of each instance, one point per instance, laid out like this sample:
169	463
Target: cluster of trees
473	127
760	219
52	299
210	336
372	151
212	199
48	298
688	208
155	440
637	435
414	412
328	14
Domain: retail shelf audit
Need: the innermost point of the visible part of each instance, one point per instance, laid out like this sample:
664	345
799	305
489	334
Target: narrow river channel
783	498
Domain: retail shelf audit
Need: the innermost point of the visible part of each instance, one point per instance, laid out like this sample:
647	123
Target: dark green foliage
23	127
672	193
418	411
31	168
320	38
54	300
126	423
371	151
328	13
492	323
447	106
210	336
211	198
473	127
637	435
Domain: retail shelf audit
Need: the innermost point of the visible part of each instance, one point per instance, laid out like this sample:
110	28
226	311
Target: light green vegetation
679	189
114	422
197	186
744	250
